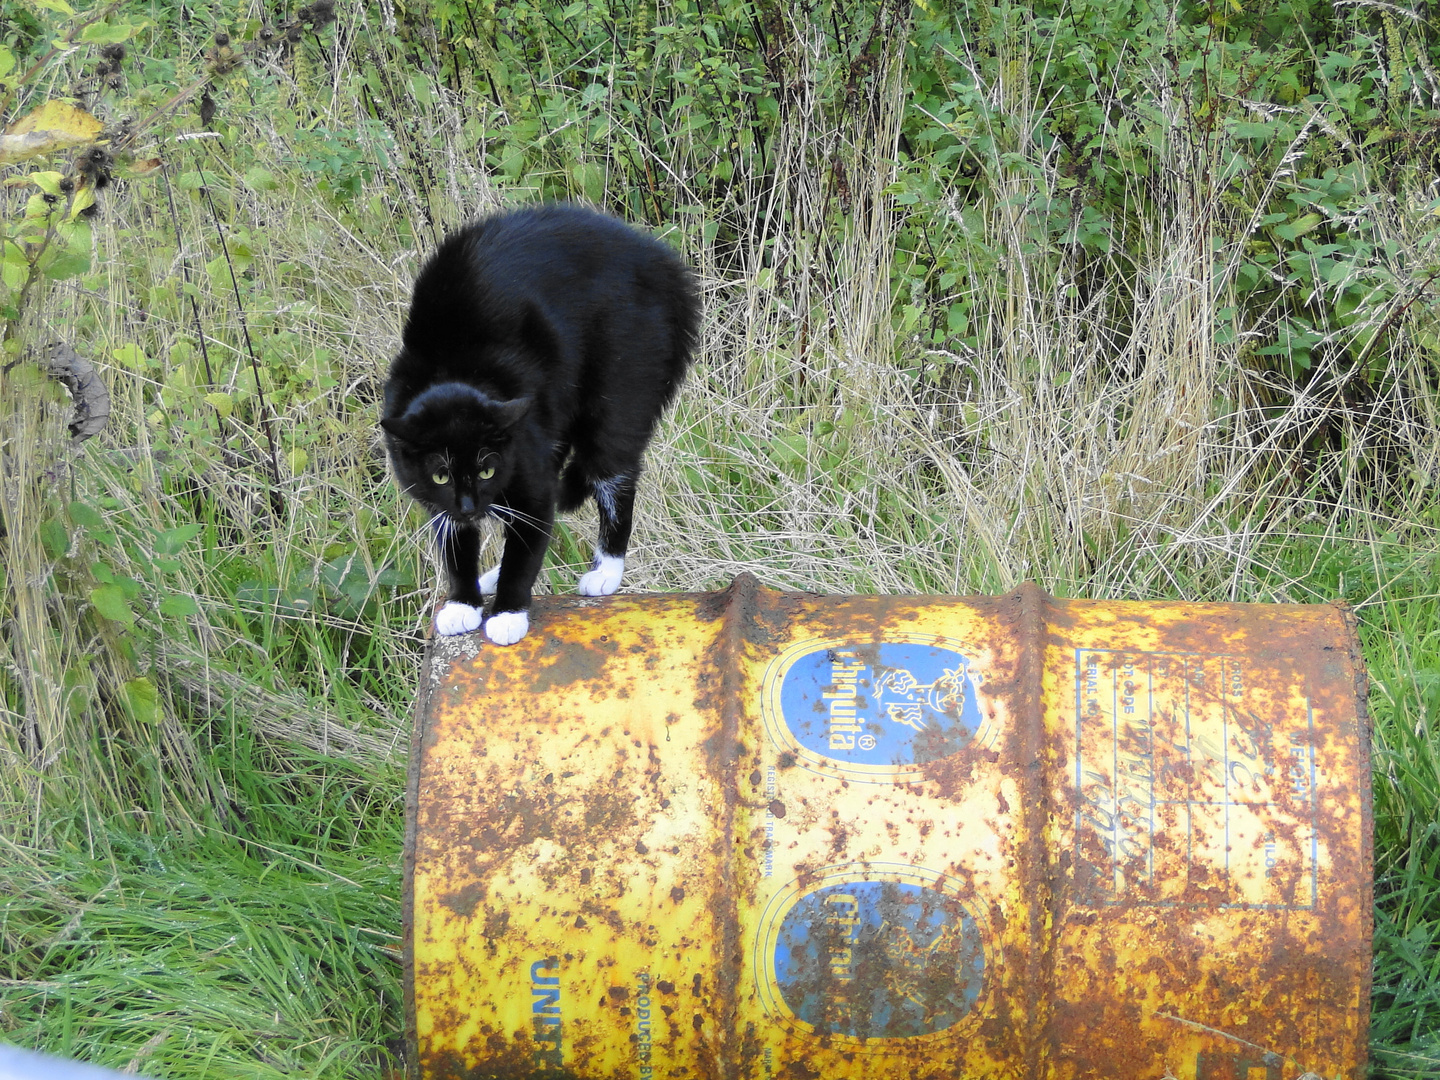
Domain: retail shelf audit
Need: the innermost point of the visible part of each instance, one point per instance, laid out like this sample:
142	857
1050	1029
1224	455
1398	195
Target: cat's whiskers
508	515
443	527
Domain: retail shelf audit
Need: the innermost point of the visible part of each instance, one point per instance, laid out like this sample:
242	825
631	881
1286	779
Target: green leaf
109	601
14	266
1299	227
142	700
172	540
257	594
48	182
178	606
54	538
788	451
1339	271
1247	129
131	357
56	5
222	404
68	264
37	209
194	181
109	33
218	269
85	515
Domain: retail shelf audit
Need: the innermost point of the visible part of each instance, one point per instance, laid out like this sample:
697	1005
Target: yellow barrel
753	834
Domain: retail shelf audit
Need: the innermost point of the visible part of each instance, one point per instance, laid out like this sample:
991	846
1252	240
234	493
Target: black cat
541	348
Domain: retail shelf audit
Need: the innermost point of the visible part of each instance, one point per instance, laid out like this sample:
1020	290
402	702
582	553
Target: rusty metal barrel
754	834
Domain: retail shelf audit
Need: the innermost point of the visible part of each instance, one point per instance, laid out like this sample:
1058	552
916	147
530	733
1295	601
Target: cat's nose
467	504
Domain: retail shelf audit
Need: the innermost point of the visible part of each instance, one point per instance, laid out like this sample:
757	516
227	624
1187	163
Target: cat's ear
509	413
400	428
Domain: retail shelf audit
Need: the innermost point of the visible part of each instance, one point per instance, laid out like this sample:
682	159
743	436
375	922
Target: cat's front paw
507	627
456	618
604	579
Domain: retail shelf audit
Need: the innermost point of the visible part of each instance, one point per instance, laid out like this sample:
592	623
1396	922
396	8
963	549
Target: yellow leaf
59	116
84	199
56	125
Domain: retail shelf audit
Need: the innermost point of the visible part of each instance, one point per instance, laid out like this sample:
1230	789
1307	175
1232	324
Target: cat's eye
487	472
440	477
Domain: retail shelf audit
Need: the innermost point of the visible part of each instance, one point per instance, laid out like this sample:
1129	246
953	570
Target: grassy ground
210	650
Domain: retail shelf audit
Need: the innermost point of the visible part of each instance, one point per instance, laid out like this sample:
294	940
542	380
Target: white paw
456	618
605	578
508	627
488	580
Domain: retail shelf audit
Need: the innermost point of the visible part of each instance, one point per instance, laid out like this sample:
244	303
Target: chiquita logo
872	711
893	958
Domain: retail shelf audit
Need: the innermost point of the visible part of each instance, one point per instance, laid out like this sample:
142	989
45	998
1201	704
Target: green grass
222	954
1402	648
206	676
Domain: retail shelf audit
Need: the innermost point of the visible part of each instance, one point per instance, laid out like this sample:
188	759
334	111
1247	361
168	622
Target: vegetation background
1137	300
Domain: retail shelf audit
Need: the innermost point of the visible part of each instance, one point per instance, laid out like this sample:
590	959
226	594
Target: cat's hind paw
456	618
605	578
507	627
488	580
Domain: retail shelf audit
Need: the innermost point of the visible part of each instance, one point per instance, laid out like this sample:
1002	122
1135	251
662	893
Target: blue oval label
874	711
875	959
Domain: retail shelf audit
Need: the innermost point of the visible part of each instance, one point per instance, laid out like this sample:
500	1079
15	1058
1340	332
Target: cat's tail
575	488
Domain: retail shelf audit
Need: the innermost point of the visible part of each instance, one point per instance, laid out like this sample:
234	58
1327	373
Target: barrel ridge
1364	766
1037	856
724	750
429	681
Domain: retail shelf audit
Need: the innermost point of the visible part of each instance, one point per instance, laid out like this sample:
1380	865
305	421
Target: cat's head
451	448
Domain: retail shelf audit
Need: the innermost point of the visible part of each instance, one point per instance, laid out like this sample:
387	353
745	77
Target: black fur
543	343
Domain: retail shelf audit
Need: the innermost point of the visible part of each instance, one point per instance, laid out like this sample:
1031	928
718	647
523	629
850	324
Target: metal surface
758	834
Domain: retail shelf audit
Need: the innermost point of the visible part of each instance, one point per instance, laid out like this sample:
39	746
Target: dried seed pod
222	39
115	52
222	60
94	165
207	108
